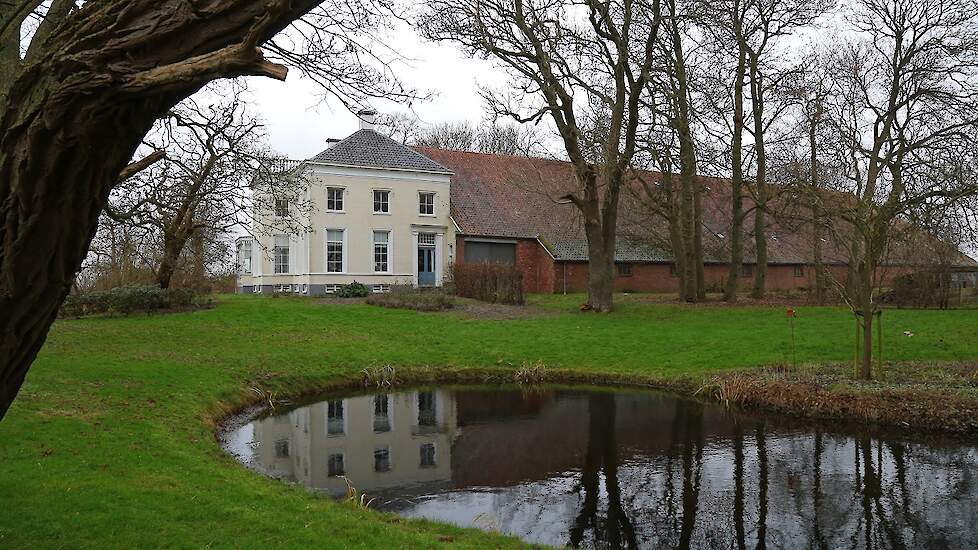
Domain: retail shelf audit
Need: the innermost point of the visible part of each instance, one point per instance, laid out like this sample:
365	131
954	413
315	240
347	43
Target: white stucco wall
358	222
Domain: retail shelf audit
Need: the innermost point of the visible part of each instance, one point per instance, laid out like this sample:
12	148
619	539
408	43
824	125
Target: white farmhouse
379	214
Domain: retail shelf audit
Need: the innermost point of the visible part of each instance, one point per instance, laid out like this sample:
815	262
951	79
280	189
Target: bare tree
486	137
218	175
810	89
569	61
904	108
91	81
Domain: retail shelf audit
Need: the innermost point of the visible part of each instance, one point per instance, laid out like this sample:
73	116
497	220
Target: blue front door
426	266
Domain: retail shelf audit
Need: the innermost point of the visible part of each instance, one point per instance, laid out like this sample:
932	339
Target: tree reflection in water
634	470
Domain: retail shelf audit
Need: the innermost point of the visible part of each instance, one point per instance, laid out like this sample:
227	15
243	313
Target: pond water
622	468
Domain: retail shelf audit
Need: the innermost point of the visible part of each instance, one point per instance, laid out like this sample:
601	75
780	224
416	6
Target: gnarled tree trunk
73	118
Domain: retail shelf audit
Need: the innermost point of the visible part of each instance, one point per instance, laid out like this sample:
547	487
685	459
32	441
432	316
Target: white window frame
342	191
346	428
434	455
434	199
288	255
373	250
245	243
342	459
277	212
345	251
390	459
373	201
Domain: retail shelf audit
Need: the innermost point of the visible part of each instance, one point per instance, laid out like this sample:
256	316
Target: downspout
564	263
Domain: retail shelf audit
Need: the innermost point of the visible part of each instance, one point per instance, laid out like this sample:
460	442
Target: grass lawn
110	442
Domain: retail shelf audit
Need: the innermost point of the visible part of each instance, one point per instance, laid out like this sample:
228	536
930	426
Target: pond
622	468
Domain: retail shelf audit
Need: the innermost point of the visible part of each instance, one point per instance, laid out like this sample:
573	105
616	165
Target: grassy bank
110	443
921	396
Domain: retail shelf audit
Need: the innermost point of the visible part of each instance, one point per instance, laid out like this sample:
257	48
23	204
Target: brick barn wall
532	259
657	278
537	266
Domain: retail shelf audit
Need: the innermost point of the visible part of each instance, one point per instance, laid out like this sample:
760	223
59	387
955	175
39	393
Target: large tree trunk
692	208
760	221
172	247
820	279
601	268
737	183
73	119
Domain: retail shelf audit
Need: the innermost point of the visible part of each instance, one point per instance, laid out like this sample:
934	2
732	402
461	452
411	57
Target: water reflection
623	470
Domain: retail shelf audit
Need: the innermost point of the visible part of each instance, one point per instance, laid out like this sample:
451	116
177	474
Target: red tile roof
519	197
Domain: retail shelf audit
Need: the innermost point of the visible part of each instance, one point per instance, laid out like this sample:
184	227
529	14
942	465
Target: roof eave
445	172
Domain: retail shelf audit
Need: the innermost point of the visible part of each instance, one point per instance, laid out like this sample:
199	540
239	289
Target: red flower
790	312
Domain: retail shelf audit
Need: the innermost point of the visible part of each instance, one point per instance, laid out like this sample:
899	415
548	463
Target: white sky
298	121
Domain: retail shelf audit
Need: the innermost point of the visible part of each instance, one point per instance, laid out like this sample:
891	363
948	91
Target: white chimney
367	118
330	142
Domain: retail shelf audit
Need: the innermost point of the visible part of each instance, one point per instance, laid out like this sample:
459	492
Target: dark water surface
612	469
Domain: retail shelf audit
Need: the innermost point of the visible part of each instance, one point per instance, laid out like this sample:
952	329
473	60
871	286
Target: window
427	455
747	270
426	204
282	448
282	208
381	251
334	465
334	251
381	288
426	239
426	408
329	289
382	419
491	252
244	256
799	271
382	459
624	270
382	201
334	199
283	288
281	253
334	418
305	289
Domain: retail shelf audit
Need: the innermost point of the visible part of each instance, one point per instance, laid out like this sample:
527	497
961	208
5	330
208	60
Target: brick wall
532	259
658	278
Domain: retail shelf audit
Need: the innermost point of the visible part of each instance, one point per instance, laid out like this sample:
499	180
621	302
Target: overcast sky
298	121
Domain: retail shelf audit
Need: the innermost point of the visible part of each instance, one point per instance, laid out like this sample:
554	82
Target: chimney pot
330	142
367	118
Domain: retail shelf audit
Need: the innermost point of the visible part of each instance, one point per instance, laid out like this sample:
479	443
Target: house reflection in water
375	441
607	469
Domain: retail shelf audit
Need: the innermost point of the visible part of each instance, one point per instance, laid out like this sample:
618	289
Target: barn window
624	270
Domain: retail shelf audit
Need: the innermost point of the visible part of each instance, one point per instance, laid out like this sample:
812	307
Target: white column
414	257
439	259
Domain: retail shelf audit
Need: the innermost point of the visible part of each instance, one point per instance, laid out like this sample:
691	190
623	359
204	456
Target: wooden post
879	344
855	360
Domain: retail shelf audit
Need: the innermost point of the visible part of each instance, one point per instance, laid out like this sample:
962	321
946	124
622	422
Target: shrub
352	290
130	299
489	282
921	289
418	299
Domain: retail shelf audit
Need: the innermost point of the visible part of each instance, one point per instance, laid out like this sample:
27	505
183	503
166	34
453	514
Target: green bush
130	299
418	299
352	290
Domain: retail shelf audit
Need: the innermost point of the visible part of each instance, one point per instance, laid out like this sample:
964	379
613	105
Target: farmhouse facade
379	215
500	208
